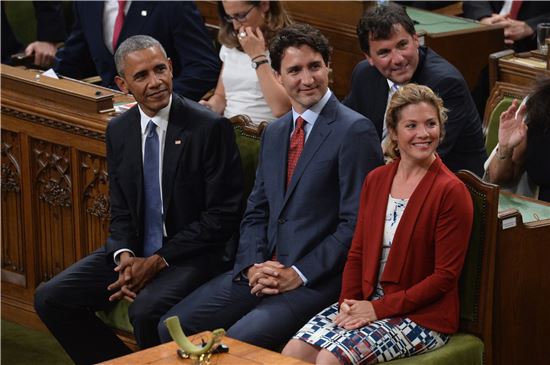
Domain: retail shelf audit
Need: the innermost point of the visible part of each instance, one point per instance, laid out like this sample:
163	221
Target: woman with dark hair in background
247	84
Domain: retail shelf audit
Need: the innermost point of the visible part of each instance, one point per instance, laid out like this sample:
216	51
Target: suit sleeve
50	21
452	234
253	245
223	189
199	65
74	58
477	9
532	22
352	99
122	229
359	153
461	109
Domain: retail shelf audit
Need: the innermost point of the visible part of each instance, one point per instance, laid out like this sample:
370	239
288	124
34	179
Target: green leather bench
247	136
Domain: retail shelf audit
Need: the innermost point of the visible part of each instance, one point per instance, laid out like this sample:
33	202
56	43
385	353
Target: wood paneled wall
54	194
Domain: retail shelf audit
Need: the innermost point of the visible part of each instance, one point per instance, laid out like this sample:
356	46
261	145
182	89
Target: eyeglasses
238	17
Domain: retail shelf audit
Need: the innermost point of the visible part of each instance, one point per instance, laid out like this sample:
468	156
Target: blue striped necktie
152	238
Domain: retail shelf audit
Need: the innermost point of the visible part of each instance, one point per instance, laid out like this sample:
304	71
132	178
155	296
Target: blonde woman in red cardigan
400	284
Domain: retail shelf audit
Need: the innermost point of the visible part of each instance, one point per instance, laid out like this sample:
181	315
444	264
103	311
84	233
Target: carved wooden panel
95	204
52	203
13	252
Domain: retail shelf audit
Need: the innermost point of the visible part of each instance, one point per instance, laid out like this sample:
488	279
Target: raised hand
512	129
253	43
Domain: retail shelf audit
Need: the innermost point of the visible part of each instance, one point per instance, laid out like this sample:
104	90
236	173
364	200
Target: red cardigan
420	279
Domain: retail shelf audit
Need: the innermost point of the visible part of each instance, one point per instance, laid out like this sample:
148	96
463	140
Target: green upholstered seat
117	316
247	136
472	344
461	349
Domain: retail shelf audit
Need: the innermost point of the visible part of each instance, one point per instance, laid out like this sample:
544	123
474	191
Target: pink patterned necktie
295	149
119	22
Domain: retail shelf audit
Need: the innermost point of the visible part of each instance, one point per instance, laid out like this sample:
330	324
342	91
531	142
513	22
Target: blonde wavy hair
276	19
404	96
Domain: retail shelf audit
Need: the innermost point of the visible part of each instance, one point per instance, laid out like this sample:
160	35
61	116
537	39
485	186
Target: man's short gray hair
133	44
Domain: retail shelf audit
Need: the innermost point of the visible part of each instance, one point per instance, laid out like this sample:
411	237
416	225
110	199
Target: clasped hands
272	277
133	274
514	30
355	314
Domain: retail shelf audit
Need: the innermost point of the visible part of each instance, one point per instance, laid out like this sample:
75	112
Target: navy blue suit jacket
310	224
177	25
463	146
202	183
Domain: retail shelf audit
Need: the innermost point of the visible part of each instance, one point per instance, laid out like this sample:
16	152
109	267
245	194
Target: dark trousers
68	302
268	321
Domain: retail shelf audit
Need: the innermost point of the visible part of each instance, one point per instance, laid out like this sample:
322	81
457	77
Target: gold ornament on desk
200	354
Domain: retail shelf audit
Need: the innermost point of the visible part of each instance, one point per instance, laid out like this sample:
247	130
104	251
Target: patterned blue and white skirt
380	341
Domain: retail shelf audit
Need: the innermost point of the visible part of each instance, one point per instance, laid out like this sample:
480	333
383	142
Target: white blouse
243	93
394	211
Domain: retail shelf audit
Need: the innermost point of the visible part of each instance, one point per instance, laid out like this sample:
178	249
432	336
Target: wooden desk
240	353
465	43
54	195
521	325
517	68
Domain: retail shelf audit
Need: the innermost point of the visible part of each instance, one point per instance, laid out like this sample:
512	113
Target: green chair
472	345
247	136
500	99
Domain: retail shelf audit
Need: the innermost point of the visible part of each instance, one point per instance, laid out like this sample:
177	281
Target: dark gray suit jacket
202	182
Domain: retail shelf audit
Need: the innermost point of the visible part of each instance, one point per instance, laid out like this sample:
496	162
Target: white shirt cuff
118	252
300	275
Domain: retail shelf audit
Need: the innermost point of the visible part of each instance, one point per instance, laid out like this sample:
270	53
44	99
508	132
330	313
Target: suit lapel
405	229
317	136
136	18
173	147
379	105
280	155
133	162
375	220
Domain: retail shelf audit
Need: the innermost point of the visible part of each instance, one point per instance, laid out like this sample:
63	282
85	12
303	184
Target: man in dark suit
301	213
175	184
519	18
394	57
177	25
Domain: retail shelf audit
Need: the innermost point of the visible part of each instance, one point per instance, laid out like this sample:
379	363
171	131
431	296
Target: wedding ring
242	35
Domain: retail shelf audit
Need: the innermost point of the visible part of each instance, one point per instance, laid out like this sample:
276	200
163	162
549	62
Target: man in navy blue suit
394	57
177	25
300	218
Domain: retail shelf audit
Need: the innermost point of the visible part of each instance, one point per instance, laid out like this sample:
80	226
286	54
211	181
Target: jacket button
282	220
